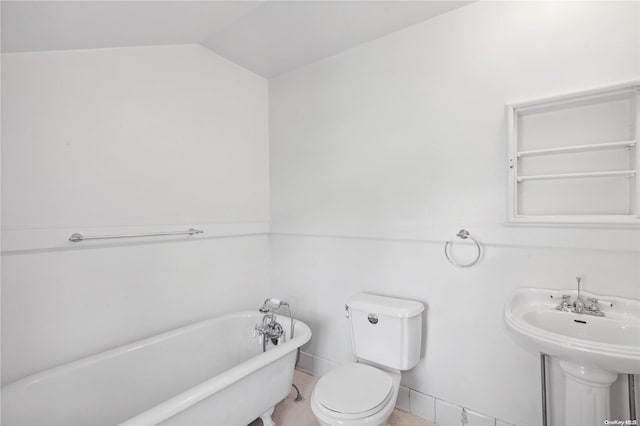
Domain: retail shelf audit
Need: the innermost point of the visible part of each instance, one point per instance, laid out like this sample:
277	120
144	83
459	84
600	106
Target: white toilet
386	335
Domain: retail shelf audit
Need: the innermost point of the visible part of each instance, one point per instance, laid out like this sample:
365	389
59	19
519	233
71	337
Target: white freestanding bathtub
211	373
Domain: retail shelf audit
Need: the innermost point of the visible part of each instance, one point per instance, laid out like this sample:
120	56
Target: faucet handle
259	333
565	301
594	304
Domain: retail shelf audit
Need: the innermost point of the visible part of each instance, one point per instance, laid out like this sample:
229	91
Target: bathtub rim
188	397
192	396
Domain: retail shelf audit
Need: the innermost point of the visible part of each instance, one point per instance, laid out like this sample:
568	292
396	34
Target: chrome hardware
463	234
588	311
346	310
274	331
76	238
373	318
579	306
543	387
258	332
270	327
579	303
632	396
264	309
579	280
566	303
594	308
270	330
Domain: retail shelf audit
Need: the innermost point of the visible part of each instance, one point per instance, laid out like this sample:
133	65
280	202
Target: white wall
151	135
127	140
381	153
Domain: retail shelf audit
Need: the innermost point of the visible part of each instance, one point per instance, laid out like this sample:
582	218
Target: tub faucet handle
259	333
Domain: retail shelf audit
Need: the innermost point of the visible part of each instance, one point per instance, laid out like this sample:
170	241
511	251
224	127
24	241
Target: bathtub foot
266	418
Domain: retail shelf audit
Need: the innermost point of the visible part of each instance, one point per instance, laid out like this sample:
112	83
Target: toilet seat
354	390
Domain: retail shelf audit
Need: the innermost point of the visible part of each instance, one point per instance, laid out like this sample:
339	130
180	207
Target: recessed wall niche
574	158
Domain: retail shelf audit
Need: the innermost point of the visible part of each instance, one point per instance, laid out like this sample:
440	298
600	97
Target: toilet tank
386	330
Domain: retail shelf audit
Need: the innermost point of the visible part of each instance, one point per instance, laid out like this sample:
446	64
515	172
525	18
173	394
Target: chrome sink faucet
579	306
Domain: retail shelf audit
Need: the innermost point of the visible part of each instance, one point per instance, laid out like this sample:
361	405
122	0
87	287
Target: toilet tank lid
382	305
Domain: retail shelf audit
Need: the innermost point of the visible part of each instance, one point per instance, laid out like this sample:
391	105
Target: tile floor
290	413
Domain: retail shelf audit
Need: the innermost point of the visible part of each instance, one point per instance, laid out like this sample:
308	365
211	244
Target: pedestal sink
592	350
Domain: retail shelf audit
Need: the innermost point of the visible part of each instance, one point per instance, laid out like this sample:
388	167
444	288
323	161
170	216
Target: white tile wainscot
448	414
314	365
425	406
403	402
422	405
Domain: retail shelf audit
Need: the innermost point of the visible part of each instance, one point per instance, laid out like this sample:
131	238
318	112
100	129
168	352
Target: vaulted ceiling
267	37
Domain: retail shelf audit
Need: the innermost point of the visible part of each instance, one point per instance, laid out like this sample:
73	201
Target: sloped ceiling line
266	37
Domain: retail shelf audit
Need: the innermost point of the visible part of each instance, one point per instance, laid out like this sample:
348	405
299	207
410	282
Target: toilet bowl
386	335
355	394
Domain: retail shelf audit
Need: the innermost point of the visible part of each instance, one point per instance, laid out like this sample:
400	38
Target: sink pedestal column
586	394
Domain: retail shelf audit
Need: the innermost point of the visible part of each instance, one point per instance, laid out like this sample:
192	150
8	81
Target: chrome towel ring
462	234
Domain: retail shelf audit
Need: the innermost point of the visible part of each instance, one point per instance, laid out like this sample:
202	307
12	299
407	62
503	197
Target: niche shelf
574	158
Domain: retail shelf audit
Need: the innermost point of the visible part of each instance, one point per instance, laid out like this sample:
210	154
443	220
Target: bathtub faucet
266	306
269	330
270	307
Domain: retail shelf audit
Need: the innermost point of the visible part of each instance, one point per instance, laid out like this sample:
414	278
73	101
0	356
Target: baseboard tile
403	402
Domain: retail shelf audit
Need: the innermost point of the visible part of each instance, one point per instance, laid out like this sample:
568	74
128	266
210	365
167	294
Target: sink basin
611	342
596	330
